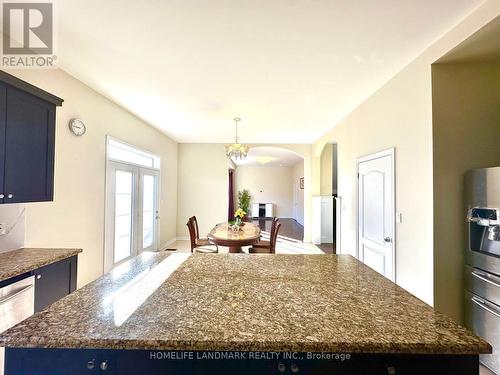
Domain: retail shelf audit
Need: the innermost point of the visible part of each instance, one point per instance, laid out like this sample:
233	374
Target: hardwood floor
327	248
289	228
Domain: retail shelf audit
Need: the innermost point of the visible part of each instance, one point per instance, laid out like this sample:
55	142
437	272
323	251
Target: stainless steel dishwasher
17	302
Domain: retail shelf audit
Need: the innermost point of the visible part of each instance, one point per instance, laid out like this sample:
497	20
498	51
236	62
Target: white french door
132	217
149	214
376	226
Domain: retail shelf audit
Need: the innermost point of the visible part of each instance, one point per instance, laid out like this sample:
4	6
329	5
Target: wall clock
77	127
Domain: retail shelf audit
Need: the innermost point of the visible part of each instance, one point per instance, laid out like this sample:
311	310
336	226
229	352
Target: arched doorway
327	200
274	177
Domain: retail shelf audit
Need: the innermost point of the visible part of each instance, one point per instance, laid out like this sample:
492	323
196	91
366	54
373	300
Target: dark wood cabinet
29	148
27	141
54	281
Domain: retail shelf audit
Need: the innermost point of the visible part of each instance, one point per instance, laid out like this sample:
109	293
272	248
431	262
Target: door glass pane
148	213
123	215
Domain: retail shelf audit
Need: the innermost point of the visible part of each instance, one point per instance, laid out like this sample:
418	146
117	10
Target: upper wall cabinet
27	141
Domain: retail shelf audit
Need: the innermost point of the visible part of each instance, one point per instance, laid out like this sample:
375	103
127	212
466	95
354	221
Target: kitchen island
239	313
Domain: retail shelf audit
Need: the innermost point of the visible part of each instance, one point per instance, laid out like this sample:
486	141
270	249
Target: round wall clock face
77	127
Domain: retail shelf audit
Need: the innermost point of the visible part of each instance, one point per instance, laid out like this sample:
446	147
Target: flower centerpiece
238	216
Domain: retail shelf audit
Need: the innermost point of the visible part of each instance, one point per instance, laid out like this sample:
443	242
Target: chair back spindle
274	238
192	233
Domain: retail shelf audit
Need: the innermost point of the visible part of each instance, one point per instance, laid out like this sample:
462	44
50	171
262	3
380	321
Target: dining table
224	235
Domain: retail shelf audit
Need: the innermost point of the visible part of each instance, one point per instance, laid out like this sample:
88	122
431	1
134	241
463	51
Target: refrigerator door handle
484	277
481	303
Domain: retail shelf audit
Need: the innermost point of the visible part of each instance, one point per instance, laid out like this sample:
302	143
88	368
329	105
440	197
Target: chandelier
236	150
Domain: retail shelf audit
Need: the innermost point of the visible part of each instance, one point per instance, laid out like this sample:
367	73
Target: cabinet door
54	281
3	118
29	148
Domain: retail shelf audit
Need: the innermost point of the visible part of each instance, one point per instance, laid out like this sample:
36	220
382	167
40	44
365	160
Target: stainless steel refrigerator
482	271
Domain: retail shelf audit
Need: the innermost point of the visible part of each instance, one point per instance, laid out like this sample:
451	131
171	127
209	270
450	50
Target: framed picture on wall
302	183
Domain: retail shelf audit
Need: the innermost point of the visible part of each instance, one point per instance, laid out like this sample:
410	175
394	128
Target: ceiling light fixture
237	150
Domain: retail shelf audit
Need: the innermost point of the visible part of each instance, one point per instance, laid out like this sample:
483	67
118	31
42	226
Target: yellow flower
240	213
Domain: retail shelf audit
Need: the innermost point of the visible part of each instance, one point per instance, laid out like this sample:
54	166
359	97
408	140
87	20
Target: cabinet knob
91	364
104	365
38	277
2	196
281	367
10	196
294	368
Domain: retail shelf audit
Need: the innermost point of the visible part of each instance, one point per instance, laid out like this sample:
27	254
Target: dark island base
20	361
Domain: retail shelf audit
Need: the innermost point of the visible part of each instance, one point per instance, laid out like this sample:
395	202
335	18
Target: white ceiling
290	69
269	157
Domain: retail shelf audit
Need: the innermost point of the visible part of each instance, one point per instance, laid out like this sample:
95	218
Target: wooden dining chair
272	243
199	241
195	248
267	244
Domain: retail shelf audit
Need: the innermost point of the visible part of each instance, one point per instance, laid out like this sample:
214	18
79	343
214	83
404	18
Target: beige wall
297	174
466	126
268	184
399	115
202	186
76	217
327	170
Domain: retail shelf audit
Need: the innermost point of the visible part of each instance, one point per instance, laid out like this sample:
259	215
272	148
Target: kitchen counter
17	262
240	302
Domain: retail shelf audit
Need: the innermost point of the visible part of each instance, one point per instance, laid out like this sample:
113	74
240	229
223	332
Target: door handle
484	277
388	239
483	305
16	293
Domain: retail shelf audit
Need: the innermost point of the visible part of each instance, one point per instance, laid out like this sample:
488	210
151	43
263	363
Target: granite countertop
17	262
322	303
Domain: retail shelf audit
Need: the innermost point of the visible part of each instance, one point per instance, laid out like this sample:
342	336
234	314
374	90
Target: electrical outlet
3	229
399	217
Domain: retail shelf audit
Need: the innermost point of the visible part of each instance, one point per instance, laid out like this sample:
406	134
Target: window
120	151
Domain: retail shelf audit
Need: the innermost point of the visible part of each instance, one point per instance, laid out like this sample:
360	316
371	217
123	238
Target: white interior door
131	212
376	246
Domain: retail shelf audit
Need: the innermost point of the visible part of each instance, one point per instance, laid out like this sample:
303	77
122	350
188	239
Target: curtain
230	211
